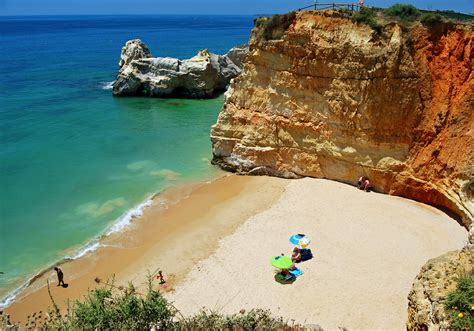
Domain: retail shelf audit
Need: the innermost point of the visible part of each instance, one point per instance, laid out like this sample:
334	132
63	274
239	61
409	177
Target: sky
200	7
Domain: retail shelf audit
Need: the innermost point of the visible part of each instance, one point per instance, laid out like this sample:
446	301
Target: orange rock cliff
324	97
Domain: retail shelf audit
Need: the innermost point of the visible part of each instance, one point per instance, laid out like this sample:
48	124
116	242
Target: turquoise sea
75	162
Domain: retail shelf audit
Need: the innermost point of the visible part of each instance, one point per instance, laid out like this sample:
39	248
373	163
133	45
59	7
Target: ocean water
75	162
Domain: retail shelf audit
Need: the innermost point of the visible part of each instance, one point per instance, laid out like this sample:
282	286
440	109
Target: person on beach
361	182
160	277
285	272
364	184
367	185
60	274
296	255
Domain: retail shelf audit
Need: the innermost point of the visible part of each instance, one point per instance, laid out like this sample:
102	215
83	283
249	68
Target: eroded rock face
198	77
431	287
321	96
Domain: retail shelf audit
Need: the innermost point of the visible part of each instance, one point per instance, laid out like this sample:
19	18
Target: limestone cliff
324	97
198	77
431	287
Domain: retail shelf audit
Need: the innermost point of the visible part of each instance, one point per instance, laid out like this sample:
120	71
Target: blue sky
238	7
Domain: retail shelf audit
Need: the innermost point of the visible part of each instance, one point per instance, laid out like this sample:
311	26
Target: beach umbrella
304	242
281	262
300	240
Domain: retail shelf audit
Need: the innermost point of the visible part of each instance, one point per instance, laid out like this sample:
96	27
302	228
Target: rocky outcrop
321	96
431	287
199	77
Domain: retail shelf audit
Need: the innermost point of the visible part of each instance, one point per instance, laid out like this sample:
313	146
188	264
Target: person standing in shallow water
60	276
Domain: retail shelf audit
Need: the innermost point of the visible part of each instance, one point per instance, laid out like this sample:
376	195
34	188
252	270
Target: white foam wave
121	223
90	247
5	301
107	85
124	220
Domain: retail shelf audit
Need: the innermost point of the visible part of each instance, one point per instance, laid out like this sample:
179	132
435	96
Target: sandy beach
367	247
181	227
214	242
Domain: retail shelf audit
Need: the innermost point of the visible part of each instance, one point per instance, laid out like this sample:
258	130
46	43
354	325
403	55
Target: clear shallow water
73	159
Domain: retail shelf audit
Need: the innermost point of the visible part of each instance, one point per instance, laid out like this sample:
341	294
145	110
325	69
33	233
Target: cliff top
406	16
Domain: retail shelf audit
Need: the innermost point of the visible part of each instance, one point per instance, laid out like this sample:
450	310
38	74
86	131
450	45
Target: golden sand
180	228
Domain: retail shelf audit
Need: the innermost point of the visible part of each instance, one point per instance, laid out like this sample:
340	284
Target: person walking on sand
60	276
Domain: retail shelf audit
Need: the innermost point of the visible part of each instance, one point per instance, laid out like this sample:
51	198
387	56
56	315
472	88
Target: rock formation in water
198	77
324	97
431	287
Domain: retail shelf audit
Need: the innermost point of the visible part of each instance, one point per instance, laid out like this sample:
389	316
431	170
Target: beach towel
296	272
306	254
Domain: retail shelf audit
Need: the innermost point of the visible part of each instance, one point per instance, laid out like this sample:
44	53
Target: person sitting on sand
296	256
367	185
285	272
361	182
60	276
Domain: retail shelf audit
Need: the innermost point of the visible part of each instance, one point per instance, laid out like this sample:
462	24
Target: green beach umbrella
281	262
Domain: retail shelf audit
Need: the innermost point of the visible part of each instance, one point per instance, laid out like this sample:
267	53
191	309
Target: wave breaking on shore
118	225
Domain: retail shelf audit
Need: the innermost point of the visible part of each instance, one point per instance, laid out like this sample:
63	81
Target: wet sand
367	247
180	228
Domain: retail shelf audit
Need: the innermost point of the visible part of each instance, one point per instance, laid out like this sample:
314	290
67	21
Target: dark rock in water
199	77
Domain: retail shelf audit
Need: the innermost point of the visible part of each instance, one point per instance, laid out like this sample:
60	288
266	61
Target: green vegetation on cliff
368	16
123	308
460	304
403	12
274	27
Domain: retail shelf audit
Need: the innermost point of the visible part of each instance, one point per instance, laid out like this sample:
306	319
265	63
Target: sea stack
322	96
198	77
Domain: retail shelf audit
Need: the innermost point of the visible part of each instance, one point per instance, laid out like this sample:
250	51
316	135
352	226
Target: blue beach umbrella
300	240
295	239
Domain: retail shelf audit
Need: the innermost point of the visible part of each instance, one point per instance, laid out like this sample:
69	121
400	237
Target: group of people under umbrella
287	269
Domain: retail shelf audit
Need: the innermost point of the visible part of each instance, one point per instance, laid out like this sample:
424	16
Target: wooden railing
323	6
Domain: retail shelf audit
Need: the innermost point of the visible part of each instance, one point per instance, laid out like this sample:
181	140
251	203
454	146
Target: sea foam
107	85
120	224
124	220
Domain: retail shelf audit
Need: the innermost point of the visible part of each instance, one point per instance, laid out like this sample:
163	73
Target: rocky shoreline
201	76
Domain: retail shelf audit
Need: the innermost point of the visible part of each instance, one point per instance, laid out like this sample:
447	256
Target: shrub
403	12
345	11
367	15
460	304
116	308
431	19
255	319
128	310
275	26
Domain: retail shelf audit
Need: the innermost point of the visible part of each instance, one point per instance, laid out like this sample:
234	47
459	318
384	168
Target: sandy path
368	249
